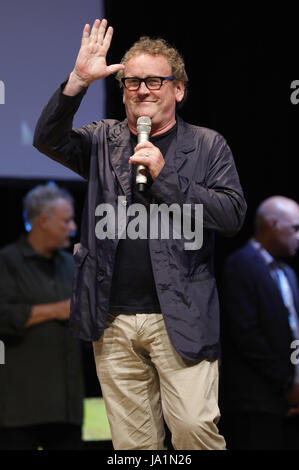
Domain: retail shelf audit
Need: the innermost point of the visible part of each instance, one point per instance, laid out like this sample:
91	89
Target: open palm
91	60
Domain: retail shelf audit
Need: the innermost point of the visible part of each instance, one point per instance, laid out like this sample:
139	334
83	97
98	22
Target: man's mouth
144	101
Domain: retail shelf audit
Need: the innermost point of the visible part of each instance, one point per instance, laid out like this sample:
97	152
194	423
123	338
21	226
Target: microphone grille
144	124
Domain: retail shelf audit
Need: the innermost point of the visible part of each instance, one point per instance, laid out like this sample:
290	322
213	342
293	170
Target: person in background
41	382
149	305
259	380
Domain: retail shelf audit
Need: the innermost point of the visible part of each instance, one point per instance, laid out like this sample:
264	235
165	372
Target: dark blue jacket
256	337
199	169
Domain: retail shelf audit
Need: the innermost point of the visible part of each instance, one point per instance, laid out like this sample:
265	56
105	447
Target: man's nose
72	226
143	90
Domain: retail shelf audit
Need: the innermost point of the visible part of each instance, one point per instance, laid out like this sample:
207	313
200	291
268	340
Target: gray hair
42	199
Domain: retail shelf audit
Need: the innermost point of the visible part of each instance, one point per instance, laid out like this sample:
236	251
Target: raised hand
91	60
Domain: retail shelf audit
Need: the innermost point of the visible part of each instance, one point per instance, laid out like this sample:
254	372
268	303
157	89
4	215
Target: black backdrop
240	65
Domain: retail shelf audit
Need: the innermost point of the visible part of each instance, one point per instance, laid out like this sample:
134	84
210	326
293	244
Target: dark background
240	65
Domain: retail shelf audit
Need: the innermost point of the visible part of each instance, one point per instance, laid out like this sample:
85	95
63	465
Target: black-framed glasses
152	83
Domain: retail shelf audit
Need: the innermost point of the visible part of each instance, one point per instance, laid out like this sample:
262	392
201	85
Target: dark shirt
41	380
133	286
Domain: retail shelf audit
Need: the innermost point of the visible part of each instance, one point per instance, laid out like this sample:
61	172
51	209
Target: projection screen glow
39	41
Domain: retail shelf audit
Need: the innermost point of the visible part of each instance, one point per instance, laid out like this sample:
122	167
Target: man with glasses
148	304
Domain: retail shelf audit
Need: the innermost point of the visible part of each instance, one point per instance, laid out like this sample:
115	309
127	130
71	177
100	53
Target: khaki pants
142	376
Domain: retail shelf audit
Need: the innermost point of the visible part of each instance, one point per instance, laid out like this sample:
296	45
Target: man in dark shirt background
41	382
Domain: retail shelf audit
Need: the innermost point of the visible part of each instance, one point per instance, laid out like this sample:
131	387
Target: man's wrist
74	85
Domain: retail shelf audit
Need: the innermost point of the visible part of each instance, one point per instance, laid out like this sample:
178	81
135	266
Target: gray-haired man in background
41	383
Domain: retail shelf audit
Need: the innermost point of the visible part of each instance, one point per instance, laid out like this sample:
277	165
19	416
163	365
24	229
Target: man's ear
43	221
179	90
272	222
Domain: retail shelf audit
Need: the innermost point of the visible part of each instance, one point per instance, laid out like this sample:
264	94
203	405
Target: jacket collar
185	143
119	141
264	267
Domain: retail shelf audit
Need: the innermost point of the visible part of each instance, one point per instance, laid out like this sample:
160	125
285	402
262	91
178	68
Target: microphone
144	126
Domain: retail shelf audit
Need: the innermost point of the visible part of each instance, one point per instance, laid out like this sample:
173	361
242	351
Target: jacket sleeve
55	137
220	193
13	315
